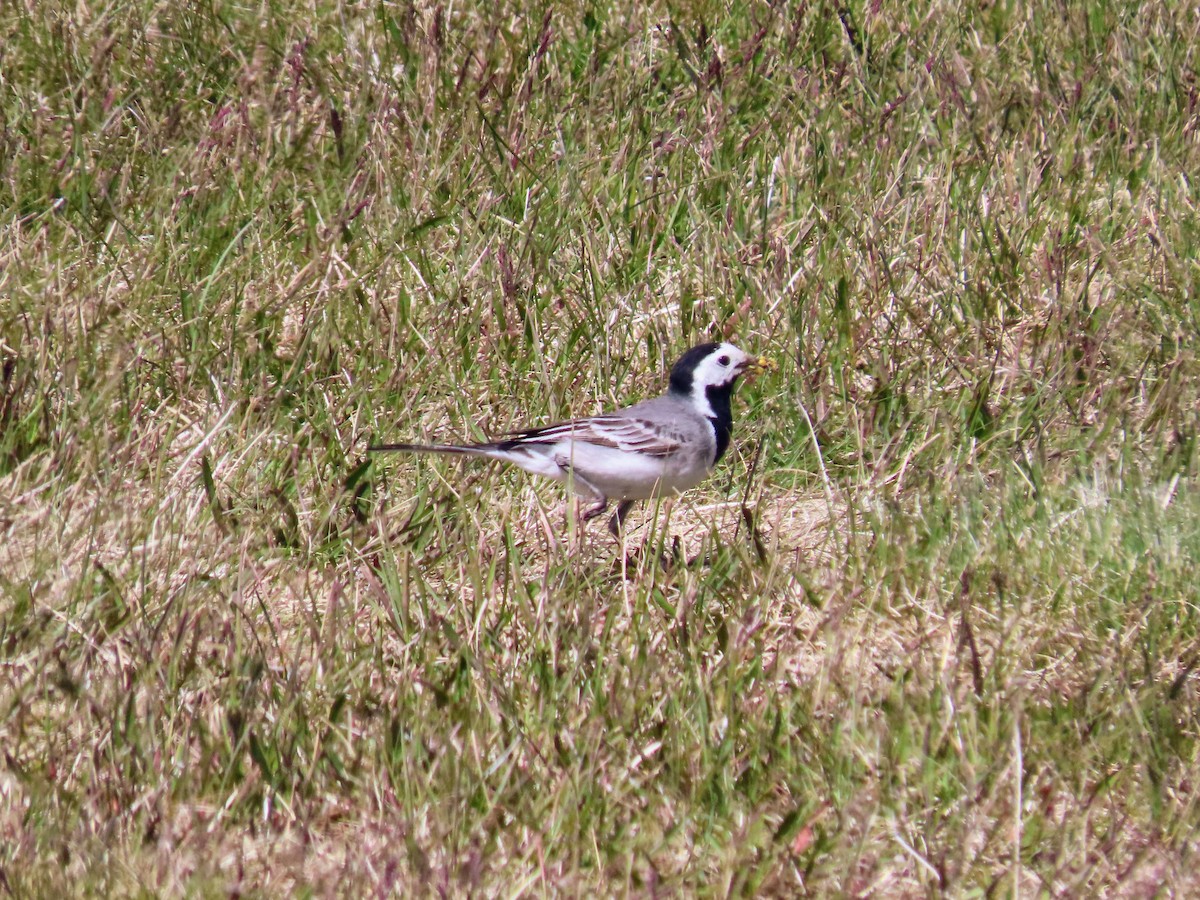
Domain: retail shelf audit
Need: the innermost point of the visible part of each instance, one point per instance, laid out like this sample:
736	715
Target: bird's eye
723	360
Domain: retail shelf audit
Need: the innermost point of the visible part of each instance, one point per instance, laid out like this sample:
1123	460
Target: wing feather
634	434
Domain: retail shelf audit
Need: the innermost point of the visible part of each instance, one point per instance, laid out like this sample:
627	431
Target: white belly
612	473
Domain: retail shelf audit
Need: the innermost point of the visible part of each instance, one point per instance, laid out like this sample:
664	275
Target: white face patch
719	368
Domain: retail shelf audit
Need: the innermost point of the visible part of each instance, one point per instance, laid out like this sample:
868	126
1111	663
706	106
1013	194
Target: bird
658	447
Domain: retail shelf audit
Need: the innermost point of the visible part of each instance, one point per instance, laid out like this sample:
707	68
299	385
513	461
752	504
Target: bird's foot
666	557
592	511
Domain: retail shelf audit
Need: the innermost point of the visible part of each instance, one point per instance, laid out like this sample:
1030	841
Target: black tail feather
431	448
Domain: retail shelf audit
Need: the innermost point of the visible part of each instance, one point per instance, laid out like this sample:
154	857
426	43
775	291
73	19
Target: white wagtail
654	448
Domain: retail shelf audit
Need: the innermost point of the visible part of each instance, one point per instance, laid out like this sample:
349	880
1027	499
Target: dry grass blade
932	628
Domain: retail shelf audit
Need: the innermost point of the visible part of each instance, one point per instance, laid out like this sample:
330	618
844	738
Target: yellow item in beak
755	367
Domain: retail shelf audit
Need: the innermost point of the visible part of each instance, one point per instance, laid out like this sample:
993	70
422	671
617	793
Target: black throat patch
722	417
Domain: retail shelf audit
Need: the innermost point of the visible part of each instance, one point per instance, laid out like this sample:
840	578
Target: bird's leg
618	518
573	477
592	511
551	540
587	515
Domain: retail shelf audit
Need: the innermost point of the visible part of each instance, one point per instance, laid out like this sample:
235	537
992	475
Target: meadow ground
933	627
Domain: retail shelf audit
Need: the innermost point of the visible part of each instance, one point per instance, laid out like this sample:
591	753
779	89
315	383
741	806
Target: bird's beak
756	366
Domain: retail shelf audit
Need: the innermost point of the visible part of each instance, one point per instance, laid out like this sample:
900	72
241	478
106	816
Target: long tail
450	449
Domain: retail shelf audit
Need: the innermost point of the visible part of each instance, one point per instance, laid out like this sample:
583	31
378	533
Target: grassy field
934	627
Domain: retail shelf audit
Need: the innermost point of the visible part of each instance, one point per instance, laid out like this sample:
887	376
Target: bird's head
714	365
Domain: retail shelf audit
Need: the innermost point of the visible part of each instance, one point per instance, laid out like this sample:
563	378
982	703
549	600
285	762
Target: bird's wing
633	434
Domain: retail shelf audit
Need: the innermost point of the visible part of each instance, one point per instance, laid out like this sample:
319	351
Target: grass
949	648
